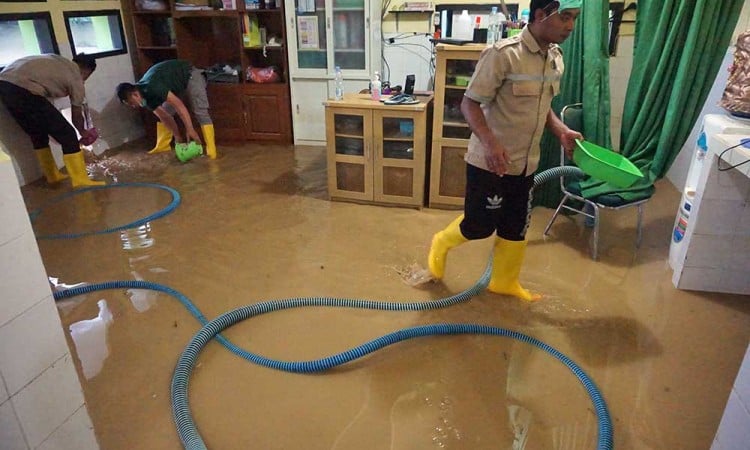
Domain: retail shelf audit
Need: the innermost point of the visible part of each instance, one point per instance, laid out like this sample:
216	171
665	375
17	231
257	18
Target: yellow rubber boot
77	170
443	241
210	142
163	139
506	267
49	166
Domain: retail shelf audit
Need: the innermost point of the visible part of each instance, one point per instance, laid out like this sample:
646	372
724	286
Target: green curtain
679	46
586	79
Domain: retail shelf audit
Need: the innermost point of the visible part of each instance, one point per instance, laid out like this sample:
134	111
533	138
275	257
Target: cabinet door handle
367	23
297	105
328	23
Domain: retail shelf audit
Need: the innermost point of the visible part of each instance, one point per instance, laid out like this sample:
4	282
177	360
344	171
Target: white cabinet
323	34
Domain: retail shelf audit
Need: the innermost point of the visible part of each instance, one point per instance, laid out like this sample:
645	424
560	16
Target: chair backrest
572	116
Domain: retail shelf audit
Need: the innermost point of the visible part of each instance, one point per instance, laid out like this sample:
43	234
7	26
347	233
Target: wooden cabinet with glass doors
450	133
376	152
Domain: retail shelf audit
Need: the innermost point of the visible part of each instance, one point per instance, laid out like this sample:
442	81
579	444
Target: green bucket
186	152
606	165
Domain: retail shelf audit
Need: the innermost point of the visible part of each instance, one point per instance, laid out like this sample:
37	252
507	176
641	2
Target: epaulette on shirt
507	42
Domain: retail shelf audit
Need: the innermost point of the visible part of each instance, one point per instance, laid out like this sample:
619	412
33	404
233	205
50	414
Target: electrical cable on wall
743	142
383	11
393	43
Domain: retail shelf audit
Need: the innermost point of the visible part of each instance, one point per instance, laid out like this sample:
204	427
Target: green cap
569	4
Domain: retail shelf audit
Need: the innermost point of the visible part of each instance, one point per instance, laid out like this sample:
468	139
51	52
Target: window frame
95	13
7	17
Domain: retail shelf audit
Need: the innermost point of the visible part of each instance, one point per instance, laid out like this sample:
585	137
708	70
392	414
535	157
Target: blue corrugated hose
186	427
163	212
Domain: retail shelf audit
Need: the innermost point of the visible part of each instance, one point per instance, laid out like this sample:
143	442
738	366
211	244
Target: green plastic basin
606	165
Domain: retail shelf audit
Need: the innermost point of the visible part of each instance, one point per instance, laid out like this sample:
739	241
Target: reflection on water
256	225
90	339
137	238
520	420
142	299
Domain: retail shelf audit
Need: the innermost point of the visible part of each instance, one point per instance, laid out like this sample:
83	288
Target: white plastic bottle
339	84
492	22
501	19
375	87
463	29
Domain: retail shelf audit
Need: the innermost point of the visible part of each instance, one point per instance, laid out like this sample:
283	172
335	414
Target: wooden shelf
402	11
158	48
206	37
165	12
267	47
263	11
397	13
207	14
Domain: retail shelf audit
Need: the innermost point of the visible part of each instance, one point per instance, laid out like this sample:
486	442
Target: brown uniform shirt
50	76
515	82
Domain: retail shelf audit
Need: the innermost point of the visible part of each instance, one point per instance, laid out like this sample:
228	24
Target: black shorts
38	118
496	204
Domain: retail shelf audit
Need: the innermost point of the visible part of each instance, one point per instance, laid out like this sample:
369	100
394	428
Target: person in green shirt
159	90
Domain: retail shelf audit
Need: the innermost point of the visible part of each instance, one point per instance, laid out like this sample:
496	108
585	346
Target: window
25	35
96	33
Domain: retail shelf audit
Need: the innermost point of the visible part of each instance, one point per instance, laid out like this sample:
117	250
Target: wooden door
350	153
266	112
399	163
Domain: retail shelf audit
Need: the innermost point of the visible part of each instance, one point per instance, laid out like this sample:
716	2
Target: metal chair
572	116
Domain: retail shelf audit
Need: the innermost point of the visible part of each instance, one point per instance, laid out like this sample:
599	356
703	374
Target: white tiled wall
734	429
41	403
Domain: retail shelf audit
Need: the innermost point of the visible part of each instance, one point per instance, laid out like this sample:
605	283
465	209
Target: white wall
677	173
41	403
620	66
116	124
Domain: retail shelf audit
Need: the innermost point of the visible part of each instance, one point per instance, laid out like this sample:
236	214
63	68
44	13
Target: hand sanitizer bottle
375	87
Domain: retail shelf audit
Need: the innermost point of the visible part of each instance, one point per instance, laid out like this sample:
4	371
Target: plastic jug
463	29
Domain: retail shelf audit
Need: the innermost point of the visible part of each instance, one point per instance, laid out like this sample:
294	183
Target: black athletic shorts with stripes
496	204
